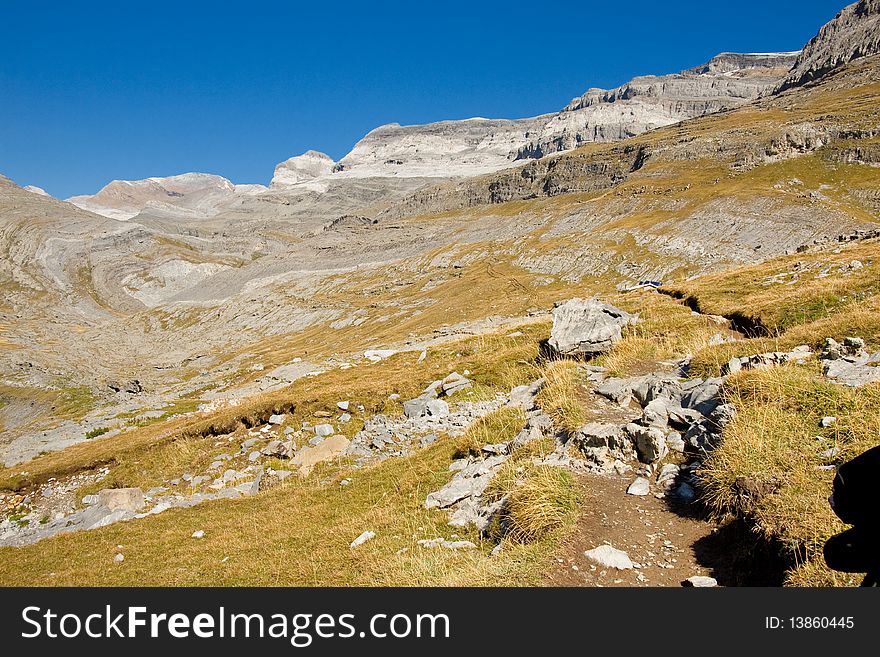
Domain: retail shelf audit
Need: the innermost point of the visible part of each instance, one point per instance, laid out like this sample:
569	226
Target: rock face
652	101
302	168
853	33
446	148
587	326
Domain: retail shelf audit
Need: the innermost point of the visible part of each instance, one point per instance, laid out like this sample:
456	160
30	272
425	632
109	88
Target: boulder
437	408
121	499
586	326
603	435
324	430
704	396
276	418
308	457
650	442
277	448
415	408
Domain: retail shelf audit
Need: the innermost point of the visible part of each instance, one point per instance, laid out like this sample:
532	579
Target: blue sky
129	90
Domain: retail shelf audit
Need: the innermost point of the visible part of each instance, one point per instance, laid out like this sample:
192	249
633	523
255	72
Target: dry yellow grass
666	330
561	396
297	534
768	465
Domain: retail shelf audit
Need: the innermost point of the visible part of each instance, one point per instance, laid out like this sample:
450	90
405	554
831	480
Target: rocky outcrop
441	150
852	34
302	168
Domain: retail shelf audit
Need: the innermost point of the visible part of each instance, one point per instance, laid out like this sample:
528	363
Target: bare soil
669	543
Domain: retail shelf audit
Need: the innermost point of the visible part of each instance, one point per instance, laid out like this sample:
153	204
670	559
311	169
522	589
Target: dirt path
669	542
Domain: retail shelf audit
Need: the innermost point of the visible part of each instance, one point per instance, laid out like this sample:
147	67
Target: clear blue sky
94	91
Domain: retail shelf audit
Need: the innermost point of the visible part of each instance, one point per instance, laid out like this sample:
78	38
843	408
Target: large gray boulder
587	326
121	499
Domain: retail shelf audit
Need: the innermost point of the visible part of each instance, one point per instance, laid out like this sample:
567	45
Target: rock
253	456
308	457
455	382
675	442
276	418
609	557
415	408
650	442
345	418
667	476
279	449
119	558
254	487
121	499
700	581
437	408
524	395
324	430
457	489
685	492
90	500
495	448
854	345
586	326
200	533
433	389
640	486
363	538
289	430
704	396
829	453
375	355
733	366
853	33
604	435
853	371
827	421
250	442
342	405
617	390
723	415
656	414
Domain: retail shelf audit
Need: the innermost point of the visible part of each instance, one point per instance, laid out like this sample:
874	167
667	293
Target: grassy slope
774	446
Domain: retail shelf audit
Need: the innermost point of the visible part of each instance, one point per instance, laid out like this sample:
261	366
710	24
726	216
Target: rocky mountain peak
302	168
853	33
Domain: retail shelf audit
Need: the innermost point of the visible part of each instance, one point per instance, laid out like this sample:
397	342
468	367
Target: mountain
853	33
187	195
648	102
302	168
468	147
